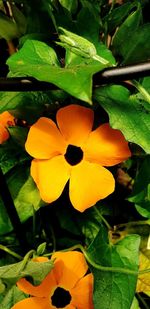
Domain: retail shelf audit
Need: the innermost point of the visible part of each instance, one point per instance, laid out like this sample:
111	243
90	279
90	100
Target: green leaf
138	46
13	296
18	134
135	304
8	28
141	190
5	224
111	289
35	270
24	192
70	5
11	155
126	113
123	35
90	31
38	60
19	18
25	195
117	15
18	103
146	83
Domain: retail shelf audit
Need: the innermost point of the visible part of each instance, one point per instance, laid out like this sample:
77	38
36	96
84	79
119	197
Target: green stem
133	223
142	301
112	6
142	91
25	259
17	256
103	268
102	218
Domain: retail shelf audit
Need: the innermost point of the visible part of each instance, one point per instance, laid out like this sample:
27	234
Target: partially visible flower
6	119
67	285
71	150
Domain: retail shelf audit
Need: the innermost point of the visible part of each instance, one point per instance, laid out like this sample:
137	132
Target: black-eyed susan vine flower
67	286
71	151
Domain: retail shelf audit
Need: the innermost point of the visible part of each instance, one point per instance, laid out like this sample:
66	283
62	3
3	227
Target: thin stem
100	267
142	90
102	218
112	6
26	258
142	301
11	48
34	223
16	255
53	238
132	223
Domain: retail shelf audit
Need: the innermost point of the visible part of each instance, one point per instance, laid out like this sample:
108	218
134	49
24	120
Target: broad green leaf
89	30
30	106
25	195
37	270
11	155
38	60
111	289
141	189
137	49
126	113
24	192
15	100
123	35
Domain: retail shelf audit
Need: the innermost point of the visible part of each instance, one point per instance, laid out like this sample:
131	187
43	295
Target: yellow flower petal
106	146
50	177
69	268
44	140
33	303
82	293
89	183
75	123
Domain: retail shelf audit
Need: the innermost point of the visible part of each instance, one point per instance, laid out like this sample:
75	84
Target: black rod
12	212
109	75
24	84
118	74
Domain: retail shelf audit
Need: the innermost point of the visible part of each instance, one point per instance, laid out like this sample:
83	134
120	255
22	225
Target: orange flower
6	119
66	286
73	151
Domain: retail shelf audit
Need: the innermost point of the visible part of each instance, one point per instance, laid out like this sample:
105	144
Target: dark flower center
73	154
61	298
